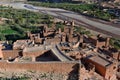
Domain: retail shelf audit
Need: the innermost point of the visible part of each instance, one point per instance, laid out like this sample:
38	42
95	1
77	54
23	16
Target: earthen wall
56	67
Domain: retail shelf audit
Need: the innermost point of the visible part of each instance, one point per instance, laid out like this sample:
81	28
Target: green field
18	22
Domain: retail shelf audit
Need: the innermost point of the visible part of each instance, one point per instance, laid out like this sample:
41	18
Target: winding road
102	27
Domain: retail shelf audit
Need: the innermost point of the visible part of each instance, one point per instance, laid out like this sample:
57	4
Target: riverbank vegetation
91	10
15	23
115	42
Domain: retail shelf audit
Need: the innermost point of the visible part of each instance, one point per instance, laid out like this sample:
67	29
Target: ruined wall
93	41
119	56
56	67
105	71
33	54
72	39
1	55
100	44
99	68
10	54
110	71
115	55
56	40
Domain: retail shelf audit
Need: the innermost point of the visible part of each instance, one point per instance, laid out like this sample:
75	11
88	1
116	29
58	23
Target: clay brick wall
93	41
99	68
73	39
10	53
107	42
1	55
97	43
110	71
115	55
100	44
56	67
106	72
119	56
56	40
33	54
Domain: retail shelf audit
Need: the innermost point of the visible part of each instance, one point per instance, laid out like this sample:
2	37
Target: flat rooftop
100	60
34	48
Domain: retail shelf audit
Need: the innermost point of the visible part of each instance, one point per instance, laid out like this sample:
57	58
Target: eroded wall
56	67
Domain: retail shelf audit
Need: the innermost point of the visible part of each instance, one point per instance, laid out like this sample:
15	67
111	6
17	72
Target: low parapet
61	56
53	48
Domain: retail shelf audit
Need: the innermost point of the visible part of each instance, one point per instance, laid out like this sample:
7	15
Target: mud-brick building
99	41
103	66
112	52
8	54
